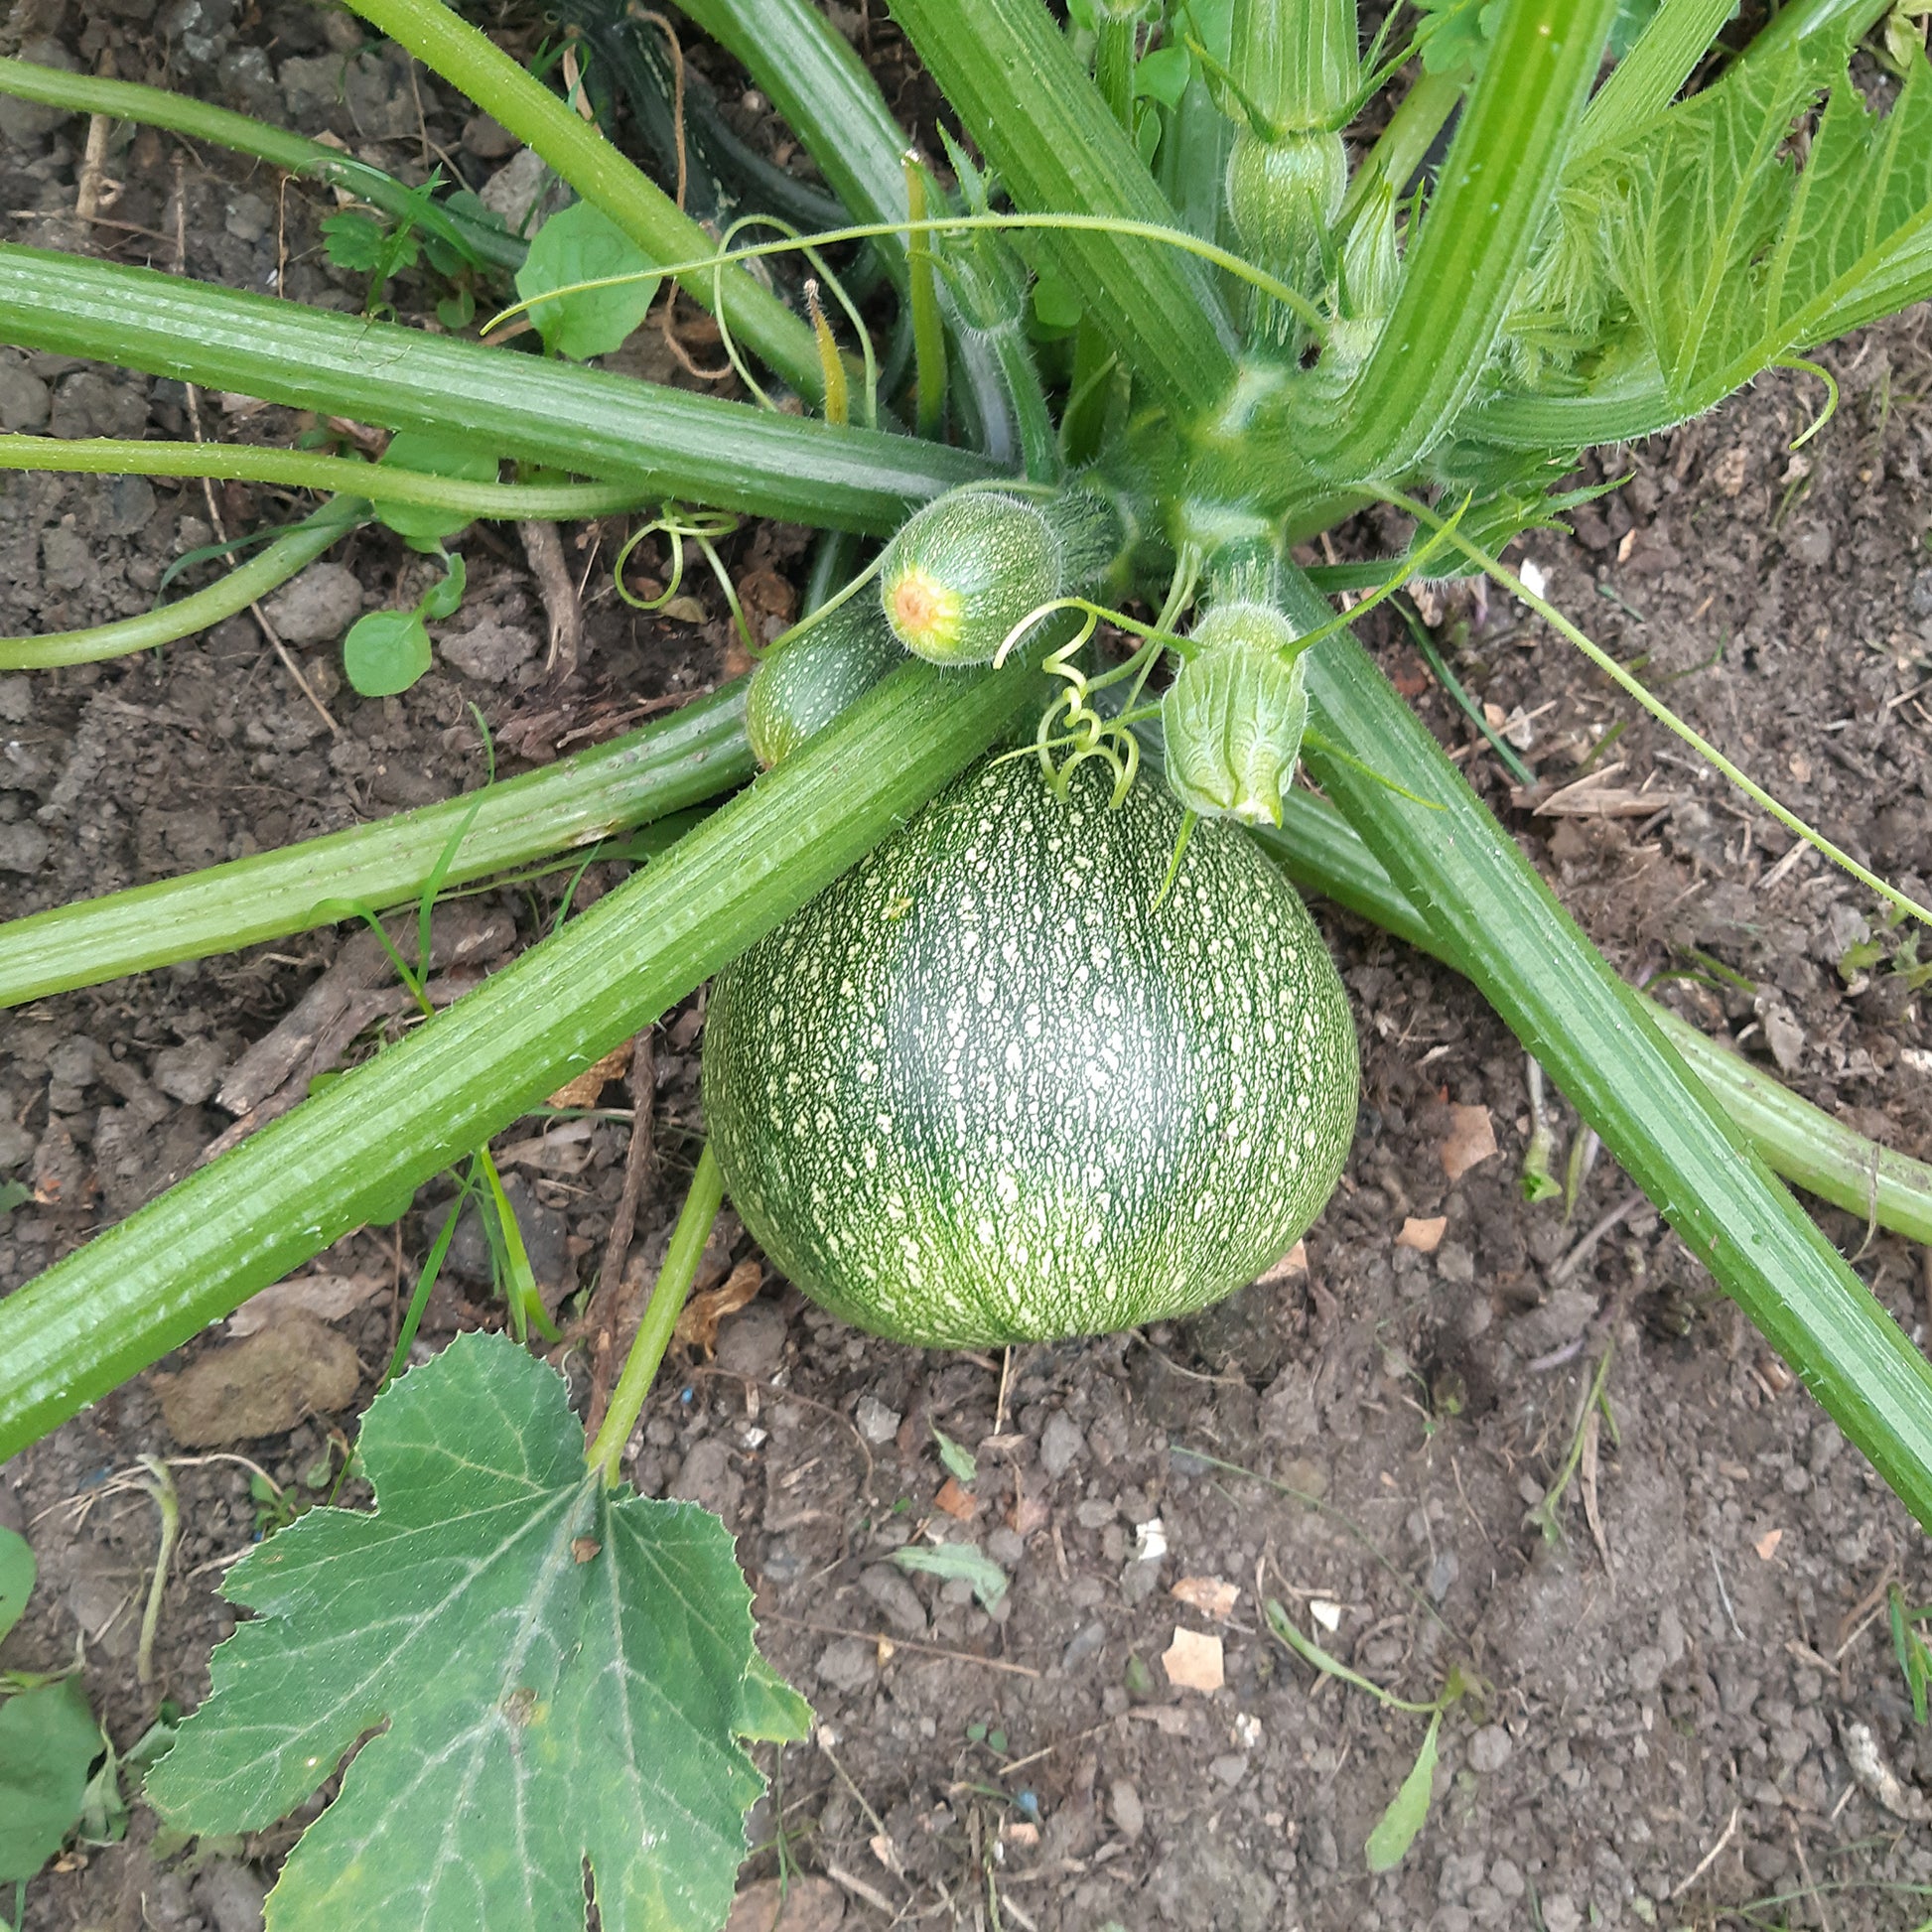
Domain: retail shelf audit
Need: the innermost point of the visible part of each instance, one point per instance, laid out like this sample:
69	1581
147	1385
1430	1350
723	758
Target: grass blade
1322	852
1593	1036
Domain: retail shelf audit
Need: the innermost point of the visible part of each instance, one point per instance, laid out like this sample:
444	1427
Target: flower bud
1233	722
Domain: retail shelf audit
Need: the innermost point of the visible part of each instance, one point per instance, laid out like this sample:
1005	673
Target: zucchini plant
1015	1032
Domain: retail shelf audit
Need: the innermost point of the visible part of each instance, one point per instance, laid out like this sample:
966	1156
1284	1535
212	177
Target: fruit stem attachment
674	1279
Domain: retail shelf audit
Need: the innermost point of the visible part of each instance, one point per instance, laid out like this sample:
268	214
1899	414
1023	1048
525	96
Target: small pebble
1060	1441
877	1423
1489	1748
1129	1815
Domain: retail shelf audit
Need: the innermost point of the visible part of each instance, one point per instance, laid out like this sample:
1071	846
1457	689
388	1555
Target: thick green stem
468	60
240	588
1593	1036
1113	66
1501	171
673	1284
828	100
362	1143
1399	149
586	422
377	482
693	756
1010	75
928	331
1322	852
126	100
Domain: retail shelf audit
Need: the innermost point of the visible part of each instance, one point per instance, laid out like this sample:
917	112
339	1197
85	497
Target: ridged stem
1009	74
1461	278
468	60
692	756
145	1287
1804	1145
664	443
1596	1039
127	100
377	482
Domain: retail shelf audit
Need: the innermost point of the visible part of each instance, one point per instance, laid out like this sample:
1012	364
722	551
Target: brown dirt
1686	1675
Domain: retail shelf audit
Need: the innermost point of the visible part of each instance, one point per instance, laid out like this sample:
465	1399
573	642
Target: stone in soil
245	1390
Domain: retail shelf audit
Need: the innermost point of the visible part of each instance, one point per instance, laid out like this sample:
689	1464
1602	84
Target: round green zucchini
985	1089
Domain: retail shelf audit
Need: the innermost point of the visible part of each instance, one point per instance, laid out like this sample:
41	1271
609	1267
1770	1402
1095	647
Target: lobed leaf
564	1673
1728	252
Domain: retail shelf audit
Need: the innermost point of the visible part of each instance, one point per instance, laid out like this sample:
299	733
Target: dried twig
1710	1858
608	1312
899	1644
544	550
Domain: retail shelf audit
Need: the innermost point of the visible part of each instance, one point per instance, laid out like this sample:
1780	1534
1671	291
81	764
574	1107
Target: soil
1687	1710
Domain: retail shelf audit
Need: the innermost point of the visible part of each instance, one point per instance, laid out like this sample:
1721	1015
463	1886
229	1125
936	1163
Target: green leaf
769	1708
1162	75
48	1739
353	240
581	244
17	1572
13	1193
386	652
1056	302
964	1562
1729	253
1455	34
1395	1831
562	1672
420	527
443	598
960	1461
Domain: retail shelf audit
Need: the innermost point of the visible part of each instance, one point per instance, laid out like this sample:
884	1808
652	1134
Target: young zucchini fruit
985	1089
969	566
807	680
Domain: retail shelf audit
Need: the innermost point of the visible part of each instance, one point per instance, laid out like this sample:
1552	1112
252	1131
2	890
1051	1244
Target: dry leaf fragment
585	1089
1292	1267
1326	1612
1193	1661
1766	1545
1168	1718
1425	1235
804	1905
1208	1594
957	1501
1027	1514
1471	1139
696	1322
325	1296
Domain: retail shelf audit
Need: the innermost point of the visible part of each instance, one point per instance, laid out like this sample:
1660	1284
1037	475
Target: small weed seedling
1399	1826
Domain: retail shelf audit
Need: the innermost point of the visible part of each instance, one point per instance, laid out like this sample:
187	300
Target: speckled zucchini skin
803	685
979	1092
